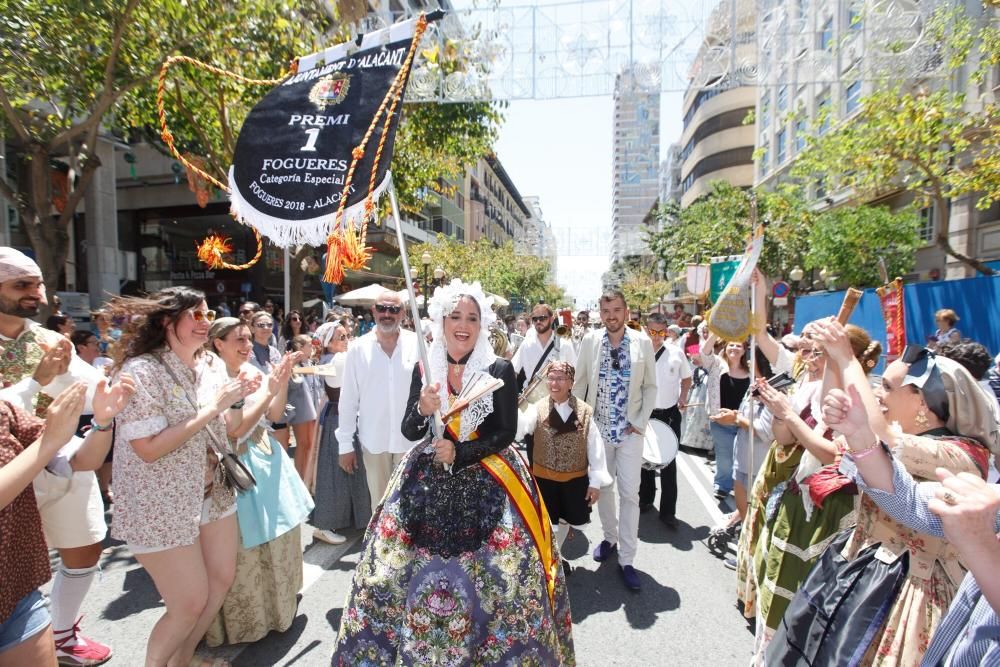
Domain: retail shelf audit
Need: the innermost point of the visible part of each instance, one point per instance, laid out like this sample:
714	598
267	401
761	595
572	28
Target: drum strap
541	359
659	353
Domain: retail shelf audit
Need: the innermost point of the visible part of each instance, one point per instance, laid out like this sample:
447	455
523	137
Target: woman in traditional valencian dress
804	512
930	413
458	566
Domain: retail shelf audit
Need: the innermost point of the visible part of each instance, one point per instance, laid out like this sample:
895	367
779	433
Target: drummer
569	453
673	381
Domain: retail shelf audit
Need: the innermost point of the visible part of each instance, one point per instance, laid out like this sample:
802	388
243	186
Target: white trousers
621	524
378	470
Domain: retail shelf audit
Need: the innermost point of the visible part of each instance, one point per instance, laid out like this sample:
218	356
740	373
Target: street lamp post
425	259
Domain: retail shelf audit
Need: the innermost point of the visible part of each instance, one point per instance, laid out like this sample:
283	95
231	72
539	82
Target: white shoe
328	536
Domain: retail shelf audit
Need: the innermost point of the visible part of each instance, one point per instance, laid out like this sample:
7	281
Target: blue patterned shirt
611	407
969	634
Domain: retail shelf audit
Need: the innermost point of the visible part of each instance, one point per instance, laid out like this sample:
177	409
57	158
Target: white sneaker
328	536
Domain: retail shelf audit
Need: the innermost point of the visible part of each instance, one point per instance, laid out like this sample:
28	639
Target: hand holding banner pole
436	426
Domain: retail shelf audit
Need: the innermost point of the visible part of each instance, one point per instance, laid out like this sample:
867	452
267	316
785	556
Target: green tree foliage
719	224
500	270
69	67
75	68
643	289
847	242
938	144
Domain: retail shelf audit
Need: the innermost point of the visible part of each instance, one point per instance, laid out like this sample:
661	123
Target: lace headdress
439	307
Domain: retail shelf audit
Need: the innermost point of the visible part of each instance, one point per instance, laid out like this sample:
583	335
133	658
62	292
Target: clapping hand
725	417
831	335
62	418
54	362
776	402
968	507
846	414
110	399
279	376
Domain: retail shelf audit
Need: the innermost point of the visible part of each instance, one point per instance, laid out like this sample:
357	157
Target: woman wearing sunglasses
294	326
896	583
342	499
173	506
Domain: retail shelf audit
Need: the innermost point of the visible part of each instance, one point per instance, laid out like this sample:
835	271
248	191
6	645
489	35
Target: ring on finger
949	498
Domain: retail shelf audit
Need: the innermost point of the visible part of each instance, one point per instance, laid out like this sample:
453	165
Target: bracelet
103	429
238	405
867	451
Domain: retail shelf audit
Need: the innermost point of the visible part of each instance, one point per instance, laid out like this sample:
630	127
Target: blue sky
560	150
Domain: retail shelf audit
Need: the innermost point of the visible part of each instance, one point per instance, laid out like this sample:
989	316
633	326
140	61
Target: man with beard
36	365
616	376
373	396
540	347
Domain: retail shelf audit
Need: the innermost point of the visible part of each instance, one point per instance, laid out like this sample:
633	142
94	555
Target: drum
659	446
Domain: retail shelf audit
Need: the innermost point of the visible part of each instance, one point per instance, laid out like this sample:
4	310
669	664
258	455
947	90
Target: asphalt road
684	615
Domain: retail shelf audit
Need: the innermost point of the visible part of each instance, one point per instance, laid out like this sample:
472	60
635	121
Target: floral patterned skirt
449	575
264	595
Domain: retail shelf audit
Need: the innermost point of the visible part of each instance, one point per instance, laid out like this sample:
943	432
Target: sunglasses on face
540	318
263	325
653	333
203	315
294	319
380	308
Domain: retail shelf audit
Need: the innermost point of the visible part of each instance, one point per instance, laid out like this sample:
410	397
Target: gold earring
921	419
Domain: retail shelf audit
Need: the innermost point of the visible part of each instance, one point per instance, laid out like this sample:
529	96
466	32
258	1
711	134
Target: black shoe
567	568
669	521
645	507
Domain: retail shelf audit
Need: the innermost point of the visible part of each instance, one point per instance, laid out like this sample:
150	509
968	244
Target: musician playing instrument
673	381
569	453
541	345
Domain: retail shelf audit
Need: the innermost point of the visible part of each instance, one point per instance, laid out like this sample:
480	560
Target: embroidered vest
20	357
560	451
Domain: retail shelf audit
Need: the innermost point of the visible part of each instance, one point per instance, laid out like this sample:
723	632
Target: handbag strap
220	450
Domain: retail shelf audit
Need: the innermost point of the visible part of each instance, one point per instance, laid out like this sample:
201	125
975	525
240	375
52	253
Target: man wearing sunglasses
616	376
373	395
673	381
540	346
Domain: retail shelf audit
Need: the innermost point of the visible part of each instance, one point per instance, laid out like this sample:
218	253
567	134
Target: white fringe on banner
314	231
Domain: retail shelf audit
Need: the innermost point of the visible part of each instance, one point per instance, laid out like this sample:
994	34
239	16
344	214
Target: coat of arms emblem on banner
330	90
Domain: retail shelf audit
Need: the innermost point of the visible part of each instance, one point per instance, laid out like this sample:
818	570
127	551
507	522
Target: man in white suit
616	376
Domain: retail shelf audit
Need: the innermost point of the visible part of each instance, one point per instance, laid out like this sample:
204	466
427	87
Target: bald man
373	396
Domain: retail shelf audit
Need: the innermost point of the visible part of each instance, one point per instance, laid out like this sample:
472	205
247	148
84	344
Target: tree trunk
943	242
297	277
48	238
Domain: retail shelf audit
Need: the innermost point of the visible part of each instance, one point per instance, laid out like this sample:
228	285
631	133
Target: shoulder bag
236	475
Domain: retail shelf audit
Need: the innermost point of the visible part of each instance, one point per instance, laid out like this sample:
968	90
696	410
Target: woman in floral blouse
172	504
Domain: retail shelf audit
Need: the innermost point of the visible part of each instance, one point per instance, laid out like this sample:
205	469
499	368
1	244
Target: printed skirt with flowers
449	575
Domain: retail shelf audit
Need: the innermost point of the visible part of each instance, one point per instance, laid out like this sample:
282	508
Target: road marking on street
711	506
